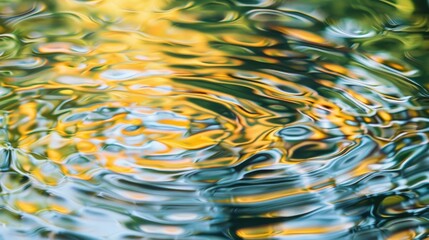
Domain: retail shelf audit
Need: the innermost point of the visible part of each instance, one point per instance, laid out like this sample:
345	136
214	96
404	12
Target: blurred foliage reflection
232	119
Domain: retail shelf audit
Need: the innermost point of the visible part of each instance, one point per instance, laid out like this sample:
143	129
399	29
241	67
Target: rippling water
229	119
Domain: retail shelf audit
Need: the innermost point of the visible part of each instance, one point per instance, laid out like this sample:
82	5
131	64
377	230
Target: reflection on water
241	119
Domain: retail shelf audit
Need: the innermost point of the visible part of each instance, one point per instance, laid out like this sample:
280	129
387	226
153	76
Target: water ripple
260	119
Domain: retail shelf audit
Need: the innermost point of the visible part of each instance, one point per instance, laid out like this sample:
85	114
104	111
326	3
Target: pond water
229	119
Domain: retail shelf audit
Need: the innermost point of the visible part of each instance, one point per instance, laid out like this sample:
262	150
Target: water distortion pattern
229	119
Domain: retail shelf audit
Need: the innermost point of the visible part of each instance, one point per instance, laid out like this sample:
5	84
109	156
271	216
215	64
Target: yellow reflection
28	207
407	234
301	35
284	230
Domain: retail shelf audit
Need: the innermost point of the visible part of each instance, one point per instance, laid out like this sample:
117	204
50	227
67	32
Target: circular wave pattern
213	119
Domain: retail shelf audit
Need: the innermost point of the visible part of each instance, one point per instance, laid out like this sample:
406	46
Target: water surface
231	119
